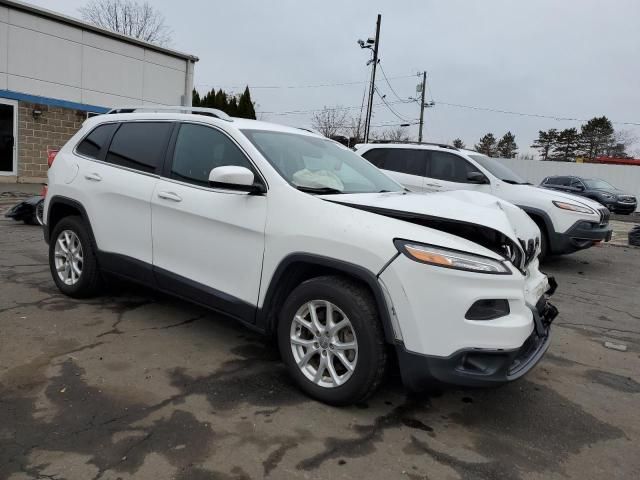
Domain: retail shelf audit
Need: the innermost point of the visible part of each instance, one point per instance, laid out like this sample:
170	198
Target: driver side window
199	149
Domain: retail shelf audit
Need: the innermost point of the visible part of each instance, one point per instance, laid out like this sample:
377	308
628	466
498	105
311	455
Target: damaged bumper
483	367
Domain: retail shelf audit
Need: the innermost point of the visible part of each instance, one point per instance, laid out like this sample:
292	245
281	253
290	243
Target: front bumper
581	235
623	207
477	367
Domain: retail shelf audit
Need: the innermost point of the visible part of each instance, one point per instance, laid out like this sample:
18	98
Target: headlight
608	196
444	257
573	207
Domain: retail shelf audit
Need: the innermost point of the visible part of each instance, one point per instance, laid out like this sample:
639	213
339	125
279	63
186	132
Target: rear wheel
331	340
72	259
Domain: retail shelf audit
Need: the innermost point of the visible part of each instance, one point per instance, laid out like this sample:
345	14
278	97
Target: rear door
117	180
448	171
405	165
208	243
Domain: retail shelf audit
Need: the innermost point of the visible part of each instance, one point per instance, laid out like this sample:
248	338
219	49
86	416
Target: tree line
234	105
506	147
596	138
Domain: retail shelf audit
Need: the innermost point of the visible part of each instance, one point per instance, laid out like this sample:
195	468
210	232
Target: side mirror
579	188
235	178
477	178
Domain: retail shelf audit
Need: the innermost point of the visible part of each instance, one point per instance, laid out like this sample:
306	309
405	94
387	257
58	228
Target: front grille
530	248
604	216
627	199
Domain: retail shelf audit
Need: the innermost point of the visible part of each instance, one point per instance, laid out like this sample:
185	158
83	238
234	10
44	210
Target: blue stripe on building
54	102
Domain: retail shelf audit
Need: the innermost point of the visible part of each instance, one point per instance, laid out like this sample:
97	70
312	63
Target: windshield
319	165
498	169
597	184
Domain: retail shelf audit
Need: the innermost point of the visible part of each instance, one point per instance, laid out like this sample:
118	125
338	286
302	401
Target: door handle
94	177
432	185
174	197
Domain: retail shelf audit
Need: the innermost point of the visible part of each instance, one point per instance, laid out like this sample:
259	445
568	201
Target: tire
88	282
369	360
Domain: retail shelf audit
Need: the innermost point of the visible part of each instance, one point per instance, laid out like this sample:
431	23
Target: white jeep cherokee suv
568	222
296	236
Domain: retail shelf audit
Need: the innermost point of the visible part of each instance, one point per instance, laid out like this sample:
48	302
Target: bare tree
128	17
330	121
396	135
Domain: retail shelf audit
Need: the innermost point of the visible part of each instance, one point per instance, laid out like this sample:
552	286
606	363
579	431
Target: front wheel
331	340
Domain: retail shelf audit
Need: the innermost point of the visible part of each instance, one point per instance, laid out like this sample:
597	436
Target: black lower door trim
176	285
204	295
127	267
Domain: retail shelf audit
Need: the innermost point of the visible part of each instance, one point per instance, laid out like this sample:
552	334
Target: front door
447	171
208	243
8	136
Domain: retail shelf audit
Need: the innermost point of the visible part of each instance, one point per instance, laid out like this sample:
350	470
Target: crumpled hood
460	205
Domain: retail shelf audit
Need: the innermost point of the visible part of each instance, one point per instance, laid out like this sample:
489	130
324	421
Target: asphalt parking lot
138	385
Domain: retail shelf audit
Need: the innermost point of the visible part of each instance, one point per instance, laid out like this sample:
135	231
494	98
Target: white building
54	70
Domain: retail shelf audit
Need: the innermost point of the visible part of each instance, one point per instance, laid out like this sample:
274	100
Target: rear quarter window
95	143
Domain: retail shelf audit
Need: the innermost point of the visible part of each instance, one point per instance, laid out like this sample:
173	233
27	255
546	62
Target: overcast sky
570	58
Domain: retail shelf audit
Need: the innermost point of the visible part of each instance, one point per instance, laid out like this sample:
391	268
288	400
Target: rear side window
94	144
199	149
449	167
140	145
402	160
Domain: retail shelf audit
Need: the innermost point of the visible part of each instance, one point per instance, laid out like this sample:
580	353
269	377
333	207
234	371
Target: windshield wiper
318	190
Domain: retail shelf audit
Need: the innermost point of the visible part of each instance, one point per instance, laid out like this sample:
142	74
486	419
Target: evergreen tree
487	145
195	102
596	136
221	102
458	143
232	107
507	147
245	105
566	144
545	142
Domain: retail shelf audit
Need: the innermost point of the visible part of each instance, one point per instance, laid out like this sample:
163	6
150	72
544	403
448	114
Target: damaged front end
520	253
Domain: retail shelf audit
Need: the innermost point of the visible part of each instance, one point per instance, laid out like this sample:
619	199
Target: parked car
602	192
295	235
567	222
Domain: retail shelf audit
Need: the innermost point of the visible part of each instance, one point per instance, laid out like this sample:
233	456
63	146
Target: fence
624	177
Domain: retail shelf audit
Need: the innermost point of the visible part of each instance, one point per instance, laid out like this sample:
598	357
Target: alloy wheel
324	344
68	257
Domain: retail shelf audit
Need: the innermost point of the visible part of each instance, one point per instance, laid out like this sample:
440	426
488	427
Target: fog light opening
488	309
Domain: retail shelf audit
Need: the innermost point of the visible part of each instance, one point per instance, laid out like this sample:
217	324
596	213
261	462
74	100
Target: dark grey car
611	197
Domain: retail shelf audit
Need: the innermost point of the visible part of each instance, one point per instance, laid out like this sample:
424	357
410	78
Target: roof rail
441	145
209	112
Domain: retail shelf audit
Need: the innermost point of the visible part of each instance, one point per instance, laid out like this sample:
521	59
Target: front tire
331	340
72	259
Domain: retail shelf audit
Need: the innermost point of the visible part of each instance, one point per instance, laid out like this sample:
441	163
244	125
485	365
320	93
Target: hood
551	195
479	217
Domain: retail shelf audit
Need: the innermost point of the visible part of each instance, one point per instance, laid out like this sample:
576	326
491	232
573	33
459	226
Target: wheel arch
298	267
61	207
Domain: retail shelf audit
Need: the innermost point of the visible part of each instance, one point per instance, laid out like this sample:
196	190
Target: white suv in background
567	222
296	236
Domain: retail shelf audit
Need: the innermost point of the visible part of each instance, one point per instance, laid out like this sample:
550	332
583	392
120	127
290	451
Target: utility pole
367	125
424	84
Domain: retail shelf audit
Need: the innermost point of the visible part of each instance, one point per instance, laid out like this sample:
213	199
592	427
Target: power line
524	114
388	106
318	85
390	87
302	112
